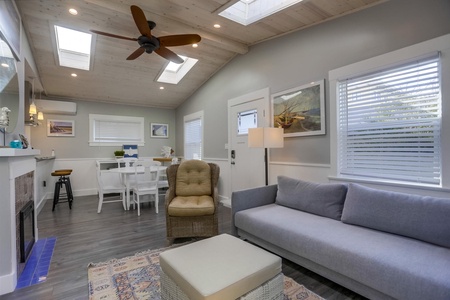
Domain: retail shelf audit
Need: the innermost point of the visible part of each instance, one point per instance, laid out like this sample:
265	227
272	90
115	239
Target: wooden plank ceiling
113	79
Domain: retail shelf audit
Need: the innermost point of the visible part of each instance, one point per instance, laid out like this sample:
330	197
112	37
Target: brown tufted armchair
192	199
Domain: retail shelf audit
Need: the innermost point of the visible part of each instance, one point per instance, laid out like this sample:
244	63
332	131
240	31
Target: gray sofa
380	244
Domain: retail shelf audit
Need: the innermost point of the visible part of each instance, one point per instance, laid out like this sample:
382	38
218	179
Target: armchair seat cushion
191	206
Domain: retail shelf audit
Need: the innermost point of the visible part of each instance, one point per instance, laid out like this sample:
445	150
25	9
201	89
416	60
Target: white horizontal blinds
112	130
107	131
193	135
390	122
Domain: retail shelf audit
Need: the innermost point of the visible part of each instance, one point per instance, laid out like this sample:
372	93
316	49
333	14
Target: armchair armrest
250	198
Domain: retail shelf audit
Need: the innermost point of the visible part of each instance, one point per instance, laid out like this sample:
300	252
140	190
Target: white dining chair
109	183
146	182
127	163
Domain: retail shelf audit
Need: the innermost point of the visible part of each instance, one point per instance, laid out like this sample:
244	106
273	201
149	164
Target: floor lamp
266	137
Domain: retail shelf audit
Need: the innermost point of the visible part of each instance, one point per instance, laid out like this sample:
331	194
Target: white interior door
247	164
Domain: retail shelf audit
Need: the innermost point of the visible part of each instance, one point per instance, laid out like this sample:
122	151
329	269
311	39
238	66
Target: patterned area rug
137	277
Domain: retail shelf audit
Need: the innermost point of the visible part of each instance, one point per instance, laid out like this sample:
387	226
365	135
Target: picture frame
61	128
159	130
131	151
300	111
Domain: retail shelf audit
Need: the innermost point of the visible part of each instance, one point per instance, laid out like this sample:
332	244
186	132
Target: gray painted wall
78	147
307	55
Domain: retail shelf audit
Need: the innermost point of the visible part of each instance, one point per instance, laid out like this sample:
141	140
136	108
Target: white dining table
127	171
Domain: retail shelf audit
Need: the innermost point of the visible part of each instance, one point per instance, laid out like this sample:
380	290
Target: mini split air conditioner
56	107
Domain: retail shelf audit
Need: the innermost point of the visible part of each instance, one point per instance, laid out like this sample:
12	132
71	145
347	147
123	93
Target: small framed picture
158	130
131	151
60	128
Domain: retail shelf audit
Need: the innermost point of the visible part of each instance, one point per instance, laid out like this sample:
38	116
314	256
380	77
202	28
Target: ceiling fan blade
179	40
168	54
141	21
136	53
114	35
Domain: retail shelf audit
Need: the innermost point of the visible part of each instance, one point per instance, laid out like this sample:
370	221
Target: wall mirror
9	84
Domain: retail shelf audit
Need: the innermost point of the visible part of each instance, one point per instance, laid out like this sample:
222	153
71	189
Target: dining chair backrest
126	162
147	173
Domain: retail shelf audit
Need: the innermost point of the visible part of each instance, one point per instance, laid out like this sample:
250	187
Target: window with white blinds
193	136
390	123
108	130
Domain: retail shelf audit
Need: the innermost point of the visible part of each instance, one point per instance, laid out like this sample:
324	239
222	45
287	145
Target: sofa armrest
250	198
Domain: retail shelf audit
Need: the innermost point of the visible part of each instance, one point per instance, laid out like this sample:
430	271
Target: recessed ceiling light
73	11
216	25
194	45
73	75
5	65
161	87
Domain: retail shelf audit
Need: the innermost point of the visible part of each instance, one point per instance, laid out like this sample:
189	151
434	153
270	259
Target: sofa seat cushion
191	206
399	266
419	217
323	199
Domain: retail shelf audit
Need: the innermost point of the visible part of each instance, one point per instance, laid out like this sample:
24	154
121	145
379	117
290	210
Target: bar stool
63	180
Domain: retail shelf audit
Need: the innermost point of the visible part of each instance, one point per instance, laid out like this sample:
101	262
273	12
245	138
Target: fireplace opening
27	234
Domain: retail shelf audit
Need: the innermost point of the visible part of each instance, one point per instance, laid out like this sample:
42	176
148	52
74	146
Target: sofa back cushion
419	217
323	199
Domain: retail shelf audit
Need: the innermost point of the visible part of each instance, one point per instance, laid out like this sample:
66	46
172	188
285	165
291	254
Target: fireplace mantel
13	163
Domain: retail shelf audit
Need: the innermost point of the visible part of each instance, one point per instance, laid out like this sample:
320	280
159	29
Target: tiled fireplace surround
24	190
17	172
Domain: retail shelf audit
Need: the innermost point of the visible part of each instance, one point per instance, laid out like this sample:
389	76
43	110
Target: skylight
247	12
74	48
173	72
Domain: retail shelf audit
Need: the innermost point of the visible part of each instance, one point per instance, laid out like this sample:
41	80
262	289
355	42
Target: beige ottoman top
221	267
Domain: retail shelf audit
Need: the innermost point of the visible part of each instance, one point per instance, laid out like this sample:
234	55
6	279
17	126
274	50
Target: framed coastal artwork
300	111
158	130
60	128
131	151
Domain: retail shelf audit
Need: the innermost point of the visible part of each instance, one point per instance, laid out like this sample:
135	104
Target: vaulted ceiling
113	79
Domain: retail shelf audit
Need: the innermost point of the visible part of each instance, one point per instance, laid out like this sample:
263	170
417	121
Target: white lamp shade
33	109
40	116
265	137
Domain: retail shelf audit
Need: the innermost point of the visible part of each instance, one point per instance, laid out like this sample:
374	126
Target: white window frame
119	124
386	61
190	118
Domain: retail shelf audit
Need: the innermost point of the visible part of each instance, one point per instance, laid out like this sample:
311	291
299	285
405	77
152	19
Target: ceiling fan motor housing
149	45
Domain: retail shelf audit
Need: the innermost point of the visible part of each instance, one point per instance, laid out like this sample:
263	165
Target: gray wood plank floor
83	236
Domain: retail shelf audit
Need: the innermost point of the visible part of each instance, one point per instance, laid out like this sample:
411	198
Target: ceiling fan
149	43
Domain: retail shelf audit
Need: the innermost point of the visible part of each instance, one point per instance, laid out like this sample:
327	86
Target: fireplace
17	176
26	230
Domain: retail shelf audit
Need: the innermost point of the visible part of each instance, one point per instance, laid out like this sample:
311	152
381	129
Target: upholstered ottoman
219	268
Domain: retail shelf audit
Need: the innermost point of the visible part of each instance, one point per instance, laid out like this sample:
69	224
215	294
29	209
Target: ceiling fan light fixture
149	43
